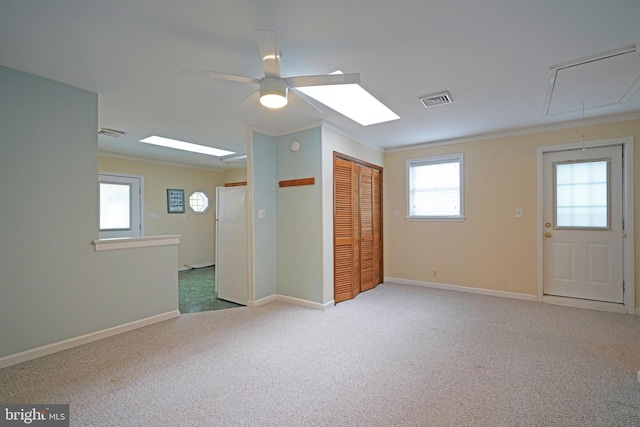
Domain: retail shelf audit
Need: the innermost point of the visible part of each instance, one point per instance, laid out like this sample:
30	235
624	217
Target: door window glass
120	206
582	194
115	202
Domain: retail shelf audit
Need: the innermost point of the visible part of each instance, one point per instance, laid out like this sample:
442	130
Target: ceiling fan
273	88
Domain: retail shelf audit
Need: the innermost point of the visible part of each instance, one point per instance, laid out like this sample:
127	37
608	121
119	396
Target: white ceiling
492	55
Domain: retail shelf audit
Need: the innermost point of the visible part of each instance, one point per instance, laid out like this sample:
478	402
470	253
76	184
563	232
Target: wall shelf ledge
136	242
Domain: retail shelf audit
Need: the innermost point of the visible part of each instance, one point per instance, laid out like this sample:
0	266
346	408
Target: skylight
186	146
351	100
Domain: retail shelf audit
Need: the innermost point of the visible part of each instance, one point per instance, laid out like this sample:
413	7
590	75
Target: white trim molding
583	303
291	300
136	242
304	302
458	288
629	227
261	301
14	359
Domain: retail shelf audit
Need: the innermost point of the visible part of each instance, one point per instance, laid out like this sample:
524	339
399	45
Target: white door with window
120	206
583	224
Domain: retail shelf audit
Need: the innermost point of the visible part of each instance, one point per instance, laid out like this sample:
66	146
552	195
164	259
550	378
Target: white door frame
628	215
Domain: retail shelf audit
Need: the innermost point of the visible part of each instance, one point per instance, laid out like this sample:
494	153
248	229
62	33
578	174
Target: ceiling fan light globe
273	92
273	100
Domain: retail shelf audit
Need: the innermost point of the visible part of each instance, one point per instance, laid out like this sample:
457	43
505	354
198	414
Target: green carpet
196	291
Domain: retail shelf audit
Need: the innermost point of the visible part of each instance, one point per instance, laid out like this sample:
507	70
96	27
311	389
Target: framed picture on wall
175	200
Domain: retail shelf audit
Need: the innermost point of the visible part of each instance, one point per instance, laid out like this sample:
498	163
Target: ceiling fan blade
215	75
325	79
269	52
301	100
248	102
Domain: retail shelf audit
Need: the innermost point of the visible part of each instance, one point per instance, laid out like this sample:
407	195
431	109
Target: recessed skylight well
351	100
186	146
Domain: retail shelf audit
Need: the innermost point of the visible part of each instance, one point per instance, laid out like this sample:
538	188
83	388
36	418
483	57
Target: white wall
53	285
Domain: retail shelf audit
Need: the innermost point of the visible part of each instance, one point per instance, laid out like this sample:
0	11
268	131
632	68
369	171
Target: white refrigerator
232	249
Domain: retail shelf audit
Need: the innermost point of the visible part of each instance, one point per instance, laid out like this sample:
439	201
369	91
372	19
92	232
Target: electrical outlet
434	273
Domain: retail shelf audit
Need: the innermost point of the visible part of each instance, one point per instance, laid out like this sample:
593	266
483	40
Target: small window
121	211
199	202
435	187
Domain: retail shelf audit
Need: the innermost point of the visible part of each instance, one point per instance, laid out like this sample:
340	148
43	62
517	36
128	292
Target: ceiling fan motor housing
273	92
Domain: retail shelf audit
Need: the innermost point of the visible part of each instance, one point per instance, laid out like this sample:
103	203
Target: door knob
547	235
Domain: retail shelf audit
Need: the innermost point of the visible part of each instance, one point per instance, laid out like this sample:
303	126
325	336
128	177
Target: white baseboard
14	359
291	300
458	288
261	301
304	302
204	264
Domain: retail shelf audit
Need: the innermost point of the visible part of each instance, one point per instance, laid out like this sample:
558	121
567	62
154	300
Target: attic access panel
605	79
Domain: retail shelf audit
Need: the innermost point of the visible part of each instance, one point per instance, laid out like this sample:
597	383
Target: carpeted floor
397	355
196	291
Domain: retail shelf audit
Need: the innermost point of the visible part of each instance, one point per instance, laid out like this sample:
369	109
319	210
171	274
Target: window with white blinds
435	187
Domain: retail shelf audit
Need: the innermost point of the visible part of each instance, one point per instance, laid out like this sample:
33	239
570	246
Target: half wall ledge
136	242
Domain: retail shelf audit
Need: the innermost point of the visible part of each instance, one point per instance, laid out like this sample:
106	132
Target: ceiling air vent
436	99
110	132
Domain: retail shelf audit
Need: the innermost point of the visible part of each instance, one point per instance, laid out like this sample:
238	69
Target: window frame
195	212
137	230
435	160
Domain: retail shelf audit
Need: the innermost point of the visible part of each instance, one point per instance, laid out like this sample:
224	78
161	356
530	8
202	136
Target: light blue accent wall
53	285
299	217
264	229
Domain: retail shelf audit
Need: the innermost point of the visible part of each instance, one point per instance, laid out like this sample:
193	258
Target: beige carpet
395	356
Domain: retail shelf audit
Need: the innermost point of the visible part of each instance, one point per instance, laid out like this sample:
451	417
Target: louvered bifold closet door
343	230
377	227
357	232
366	229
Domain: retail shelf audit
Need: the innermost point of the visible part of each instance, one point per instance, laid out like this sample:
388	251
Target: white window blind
435	187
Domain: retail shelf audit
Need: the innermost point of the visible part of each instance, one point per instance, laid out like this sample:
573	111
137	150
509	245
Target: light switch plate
262	214
518	212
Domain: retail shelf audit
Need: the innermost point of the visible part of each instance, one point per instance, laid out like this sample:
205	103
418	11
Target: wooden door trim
337	155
